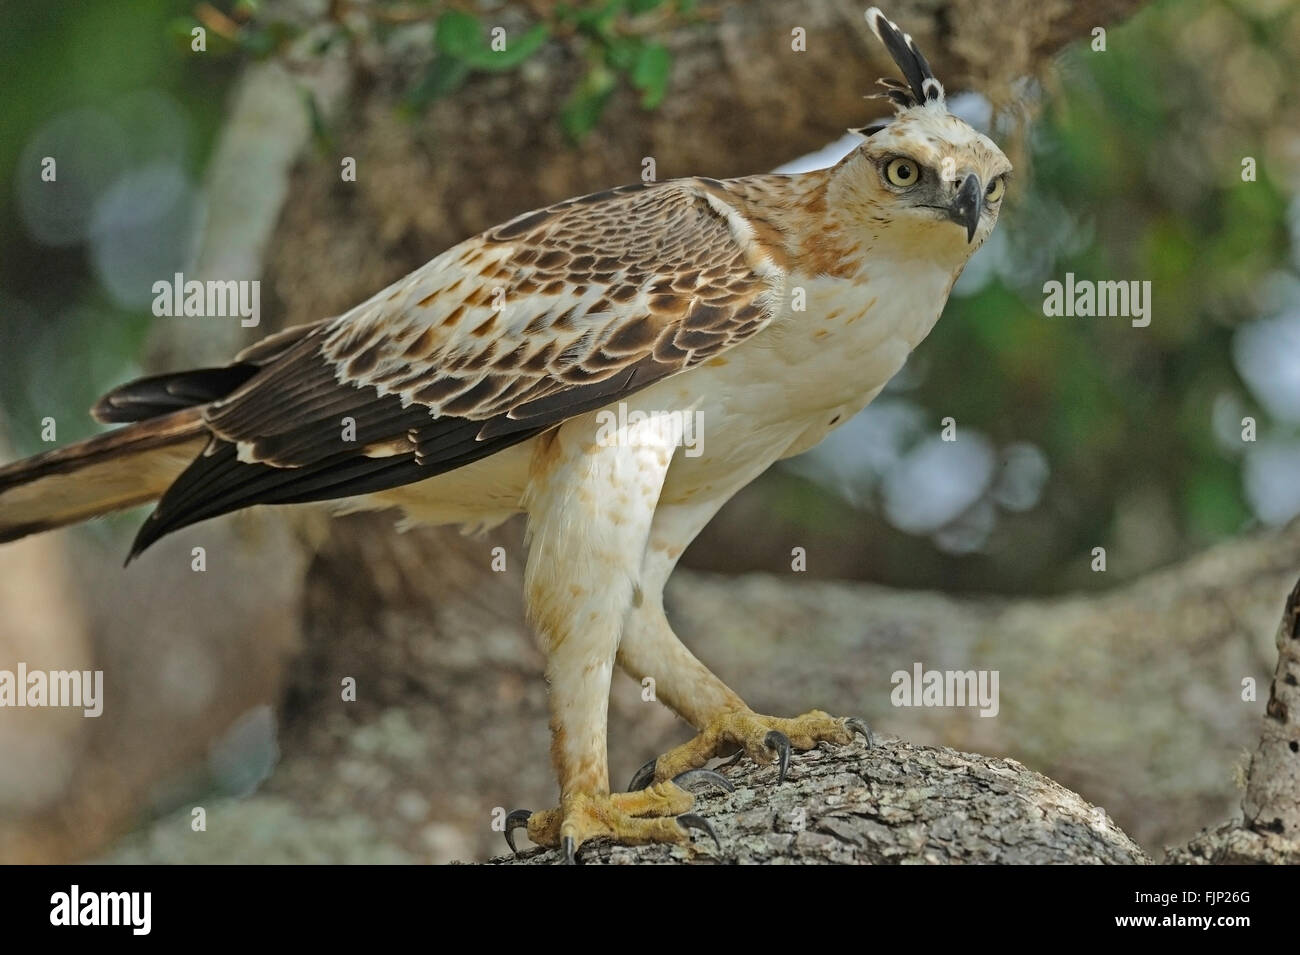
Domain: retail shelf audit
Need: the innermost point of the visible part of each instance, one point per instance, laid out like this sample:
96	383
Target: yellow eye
902	172
994	192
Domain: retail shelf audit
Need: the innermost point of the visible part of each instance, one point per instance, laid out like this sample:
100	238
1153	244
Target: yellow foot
655	814
763	738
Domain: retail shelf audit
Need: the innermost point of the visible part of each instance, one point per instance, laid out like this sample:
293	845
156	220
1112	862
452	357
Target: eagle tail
133	465
109	472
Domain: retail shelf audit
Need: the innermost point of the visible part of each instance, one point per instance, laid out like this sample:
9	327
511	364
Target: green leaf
516	51
459	34
582	112
650	74
596	21
642	6
444	76
622	52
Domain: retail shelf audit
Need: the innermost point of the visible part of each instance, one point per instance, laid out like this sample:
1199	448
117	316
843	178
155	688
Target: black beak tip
967	206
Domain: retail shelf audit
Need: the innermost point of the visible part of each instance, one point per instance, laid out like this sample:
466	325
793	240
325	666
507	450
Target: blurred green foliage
1141	148
611	34
71	337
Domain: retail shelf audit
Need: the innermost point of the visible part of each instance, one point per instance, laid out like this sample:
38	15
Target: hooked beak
967	205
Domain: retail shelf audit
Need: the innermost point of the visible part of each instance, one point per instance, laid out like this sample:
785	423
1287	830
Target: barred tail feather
109	472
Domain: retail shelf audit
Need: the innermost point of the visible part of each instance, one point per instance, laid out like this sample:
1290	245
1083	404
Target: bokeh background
1075	433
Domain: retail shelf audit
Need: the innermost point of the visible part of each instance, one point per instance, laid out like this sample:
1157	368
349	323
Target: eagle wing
553	314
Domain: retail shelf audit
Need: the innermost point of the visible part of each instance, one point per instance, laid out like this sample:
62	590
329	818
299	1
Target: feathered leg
590	510
726	724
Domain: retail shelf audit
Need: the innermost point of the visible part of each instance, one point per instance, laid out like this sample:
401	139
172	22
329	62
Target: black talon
778	741
706	775
643	776
855	725
690	820
518	819
570	852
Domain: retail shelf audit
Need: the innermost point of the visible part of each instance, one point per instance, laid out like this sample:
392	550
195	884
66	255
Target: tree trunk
1269	830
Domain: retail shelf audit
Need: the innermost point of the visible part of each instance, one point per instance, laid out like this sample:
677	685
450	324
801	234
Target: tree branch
895	803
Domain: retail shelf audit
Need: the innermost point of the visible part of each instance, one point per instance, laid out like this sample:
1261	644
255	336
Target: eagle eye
902	172
994	192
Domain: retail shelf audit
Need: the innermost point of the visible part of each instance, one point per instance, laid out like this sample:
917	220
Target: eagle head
923	176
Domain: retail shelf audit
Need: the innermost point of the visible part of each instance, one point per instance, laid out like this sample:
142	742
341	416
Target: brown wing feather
553	314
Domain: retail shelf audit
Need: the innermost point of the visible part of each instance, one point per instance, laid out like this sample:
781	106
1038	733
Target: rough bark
894	804
1269	830
1272	803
